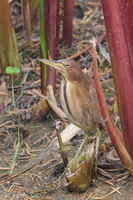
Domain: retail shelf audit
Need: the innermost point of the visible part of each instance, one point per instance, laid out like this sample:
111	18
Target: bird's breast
74	101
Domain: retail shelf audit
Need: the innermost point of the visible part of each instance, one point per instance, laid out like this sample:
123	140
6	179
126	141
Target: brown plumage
78	99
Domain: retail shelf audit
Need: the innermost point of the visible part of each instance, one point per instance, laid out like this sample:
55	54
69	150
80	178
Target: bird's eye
66	65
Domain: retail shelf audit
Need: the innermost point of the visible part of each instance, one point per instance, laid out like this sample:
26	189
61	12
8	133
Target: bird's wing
93	104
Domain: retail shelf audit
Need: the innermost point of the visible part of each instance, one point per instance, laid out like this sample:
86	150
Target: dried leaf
38	111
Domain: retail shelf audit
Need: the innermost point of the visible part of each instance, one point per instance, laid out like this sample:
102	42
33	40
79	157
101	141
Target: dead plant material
56	109
39	111
107	195
87	48
104	173
66	134
5	123
80	180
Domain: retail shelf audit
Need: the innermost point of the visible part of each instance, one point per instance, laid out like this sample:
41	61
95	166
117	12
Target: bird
78	99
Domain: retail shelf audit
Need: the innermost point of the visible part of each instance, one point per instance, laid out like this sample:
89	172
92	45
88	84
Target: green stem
73	163
98	134
13	99
82	145
19	138
62	149
19	142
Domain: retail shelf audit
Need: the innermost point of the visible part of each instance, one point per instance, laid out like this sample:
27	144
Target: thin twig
87	48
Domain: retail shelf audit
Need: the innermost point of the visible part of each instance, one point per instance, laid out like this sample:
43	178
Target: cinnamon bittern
78	98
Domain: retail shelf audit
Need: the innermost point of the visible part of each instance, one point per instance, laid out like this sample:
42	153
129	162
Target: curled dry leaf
112	156
38	111
104	147
104	173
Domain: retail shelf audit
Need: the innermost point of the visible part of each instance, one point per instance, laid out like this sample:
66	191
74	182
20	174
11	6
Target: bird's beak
54	63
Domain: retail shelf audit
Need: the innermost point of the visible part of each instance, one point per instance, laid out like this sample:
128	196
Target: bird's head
68	68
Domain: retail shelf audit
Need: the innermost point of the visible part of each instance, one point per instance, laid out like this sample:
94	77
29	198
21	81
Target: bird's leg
74	160
98	133
82	144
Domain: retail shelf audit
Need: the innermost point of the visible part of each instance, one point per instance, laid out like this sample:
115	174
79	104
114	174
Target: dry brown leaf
112	156
104	173
38	111
107	195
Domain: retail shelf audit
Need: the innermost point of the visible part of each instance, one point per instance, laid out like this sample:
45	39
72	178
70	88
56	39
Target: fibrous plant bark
8	46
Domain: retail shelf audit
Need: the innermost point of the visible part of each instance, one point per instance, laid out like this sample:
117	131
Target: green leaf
12	70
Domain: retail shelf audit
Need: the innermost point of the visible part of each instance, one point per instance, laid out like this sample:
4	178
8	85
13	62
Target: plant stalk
114	133
118	20
12	83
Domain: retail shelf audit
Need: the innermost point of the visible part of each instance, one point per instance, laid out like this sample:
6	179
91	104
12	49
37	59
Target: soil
46	180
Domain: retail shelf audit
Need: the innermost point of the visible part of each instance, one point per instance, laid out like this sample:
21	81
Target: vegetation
8	46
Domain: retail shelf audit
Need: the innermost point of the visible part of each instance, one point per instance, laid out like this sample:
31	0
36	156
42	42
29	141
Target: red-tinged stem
52	32
57	31
68	22
126	8
120	50
114	133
